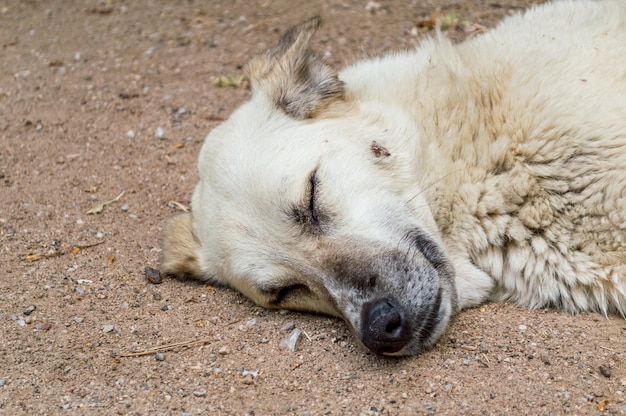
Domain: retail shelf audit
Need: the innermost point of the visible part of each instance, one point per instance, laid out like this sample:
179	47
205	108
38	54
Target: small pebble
156	296
252	373
288	326
223	350
373	7
159	356
152	275
125	207
522	328
79	319
248	379
46	326
159	133
1	383
605	371
107	328
165	307
29	310
24	74
199	393
99	234
292	341
130	134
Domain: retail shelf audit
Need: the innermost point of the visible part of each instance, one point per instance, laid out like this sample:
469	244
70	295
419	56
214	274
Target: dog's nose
385	329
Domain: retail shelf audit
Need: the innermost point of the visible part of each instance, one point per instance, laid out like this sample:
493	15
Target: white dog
403	189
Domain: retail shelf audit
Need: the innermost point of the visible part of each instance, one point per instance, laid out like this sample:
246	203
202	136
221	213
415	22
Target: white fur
508	151
543	87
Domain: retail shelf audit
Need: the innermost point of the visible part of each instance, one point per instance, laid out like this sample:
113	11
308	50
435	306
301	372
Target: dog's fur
406	188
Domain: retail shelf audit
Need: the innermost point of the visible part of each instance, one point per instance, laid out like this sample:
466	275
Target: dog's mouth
387	328
410	303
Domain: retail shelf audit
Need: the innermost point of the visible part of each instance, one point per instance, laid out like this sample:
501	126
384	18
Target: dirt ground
106	99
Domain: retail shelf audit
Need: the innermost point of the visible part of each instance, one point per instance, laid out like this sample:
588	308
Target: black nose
384	326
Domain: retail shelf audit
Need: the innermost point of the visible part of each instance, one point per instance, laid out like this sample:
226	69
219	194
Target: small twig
167	347
307	336
487	363
295	366
37	257
99	208
178	205
609	349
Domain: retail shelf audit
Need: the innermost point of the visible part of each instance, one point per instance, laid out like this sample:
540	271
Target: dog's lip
432	320
424	339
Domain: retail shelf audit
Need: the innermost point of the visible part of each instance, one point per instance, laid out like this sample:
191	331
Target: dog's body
409	187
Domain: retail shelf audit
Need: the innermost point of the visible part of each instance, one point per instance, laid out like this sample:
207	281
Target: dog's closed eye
313	215
308	212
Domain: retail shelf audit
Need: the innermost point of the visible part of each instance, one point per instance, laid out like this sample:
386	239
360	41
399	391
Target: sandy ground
102	99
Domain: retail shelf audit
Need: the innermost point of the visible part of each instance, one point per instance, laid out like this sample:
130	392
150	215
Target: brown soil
84	87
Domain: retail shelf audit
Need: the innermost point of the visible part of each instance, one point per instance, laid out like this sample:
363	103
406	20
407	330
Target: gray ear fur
296	80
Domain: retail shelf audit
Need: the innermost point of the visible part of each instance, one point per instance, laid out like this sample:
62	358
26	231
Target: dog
405	188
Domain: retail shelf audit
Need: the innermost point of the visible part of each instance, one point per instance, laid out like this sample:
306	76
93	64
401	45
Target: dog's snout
385	329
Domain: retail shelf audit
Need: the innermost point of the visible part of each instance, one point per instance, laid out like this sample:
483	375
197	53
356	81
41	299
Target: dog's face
306	202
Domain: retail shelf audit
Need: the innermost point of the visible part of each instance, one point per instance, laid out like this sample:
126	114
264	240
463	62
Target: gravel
29	310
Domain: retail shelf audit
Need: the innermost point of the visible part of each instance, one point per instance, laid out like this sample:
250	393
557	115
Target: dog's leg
180	249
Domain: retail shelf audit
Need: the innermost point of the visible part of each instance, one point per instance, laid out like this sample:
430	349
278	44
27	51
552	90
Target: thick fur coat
406	188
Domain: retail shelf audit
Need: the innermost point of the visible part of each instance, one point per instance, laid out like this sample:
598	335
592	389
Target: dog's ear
297	81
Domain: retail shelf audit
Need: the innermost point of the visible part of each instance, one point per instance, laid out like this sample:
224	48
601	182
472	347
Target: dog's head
308	200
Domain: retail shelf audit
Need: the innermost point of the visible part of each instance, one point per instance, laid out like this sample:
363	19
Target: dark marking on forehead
378	150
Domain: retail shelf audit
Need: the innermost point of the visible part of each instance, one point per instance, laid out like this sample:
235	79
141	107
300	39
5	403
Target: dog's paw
473	285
